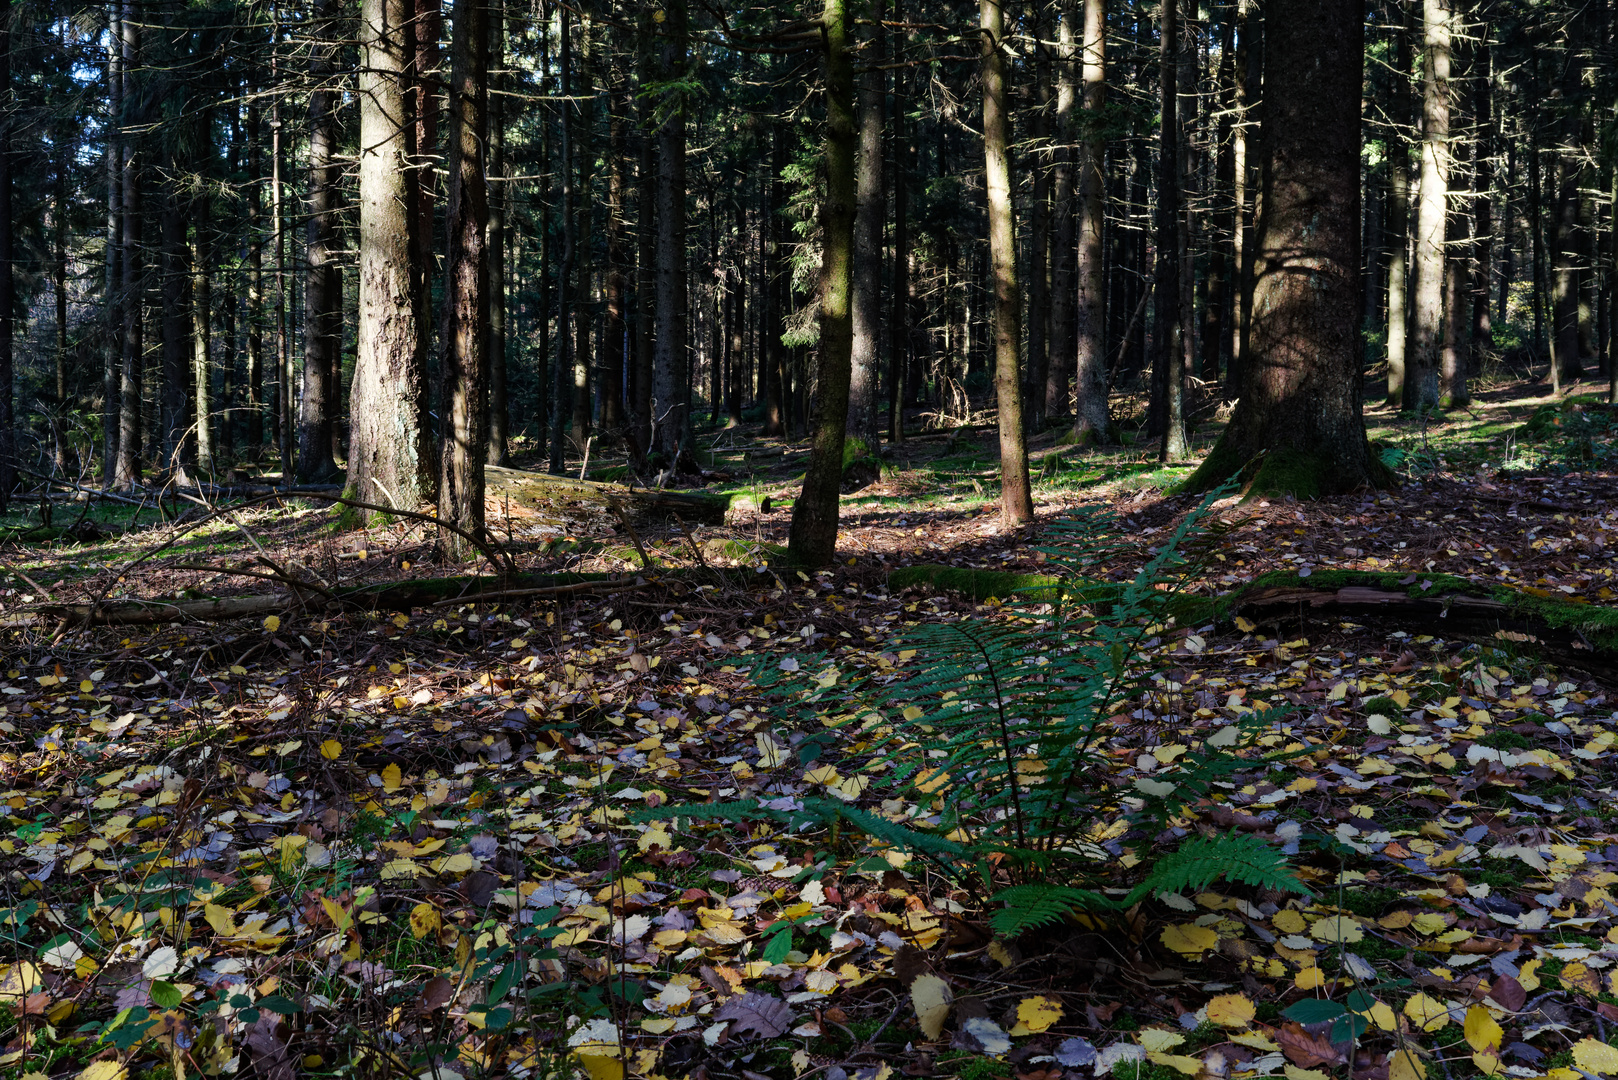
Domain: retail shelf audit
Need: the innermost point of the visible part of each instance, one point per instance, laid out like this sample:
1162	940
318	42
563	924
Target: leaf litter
412	849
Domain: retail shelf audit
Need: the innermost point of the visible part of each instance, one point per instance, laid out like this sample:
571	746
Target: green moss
977	584
1279	472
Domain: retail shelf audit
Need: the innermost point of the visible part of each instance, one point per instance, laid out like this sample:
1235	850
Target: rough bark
255	287
499	410
901	390
388	459
1427	284
1063	342
1398	227
775	409
1455	355
114	299
1037	257
465	363
641	376
323	281
671	393
870	206
812	540
1168	363
615	336
1090	420
1016	495
1220	243
126	467
1299	413
202	332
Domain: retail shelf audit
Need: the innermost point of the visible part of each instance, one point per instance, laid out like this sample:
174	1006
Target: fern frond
1239	857
1031	906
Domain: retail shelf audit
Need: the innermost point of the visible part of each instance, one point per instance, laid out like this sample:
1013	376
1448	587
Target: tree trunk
1300	402
255	287
900	389
421	106
562	372
1063	341
775	407
1249	93
1016	496
499	191
466	289
173	396
1040	159
1168	363
584	210
1432	215
1455	361
389	444
202	331
1483	205
115	299
671	369
615	337
642	377
1398	227
8	286
870	208
126	469
812	540
1220	242
1090	420
323	284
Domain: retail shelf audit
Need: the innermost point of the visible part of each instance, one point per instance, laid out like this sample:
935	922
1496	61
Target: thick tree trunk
1016	495
389	443
1063	341
1249	93
1455	359
1168	362
1483	206
583	229
813	537
870	206
1300	403
202	331
1432	213
323	283
671	368
1398	226
1221	240
562	372
1037	364
465	363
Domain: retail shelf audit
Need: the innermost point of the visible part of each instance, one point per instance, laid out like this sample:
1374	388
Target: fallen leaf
931	997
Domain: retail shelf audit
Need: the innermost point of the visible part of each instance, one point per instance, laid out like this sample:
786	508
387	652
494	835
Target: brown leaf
1306	1050
1509	993
267	1041
478	888
437	993
767	1016
1606	1011
908	963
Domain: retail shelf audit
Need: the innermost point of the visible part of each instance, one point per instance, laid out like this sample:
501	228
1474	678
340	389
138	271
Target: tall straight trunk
615	337
1249	95
1455	358
389	451
126	468
114	299
1063	341
1612	298
1090	420
1038	362
1565	285
812	540
202	332
1016	495
583	246
1398	226
60	456
499	408
671	366
775	381
255	285
1483	204
1221	240
465	362
278	248
1300	406
562	371
735	314
1536	232
175	269
1168	363
8	286
1427	286
900	389
641	376
870	206
323	280
421	144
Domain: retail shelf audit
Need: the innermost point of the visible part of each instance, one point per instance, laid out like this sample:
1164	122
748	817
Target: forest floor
416	843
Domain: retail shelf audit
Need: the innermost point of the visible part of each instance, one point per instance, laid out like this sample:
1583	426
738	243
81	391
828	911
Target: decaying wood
545	493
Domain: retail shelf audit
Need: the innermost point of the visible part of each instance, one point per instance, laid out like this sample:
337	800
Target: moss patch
978	584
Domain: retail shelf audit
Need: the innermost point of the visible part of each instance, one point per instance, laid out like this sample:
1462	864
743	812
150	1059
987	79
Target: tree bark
499	193
126	468
8	285
812	540
642	377
323	283
901	391
255	286
775	380
1432	214
1300	403
1063	340
671	365
1091	423
870	207
466	289
1455	356
615	337
114	299
389	443
202	331
1221	240
1168	363
1037	364
175	267
1398	227
1016	495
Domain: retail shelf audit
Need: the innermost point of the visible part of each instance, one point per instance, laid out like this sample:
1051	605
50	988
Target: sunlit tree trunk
1037	250
812	540
1016	495
1427	287
323	281
174	268
466	288
1090	419
389	445
870	210
202	331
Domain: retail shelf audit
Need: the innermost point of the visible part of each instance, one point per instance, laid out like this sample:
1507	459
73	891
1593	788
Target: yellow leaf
1382	1016
272	623
392	777
222	919
105	1069
1529	975
1426	1012
1482	1033
1159	1040
658	1025
1405	1065
1487	1064
1289	921
1308	979
1246	626
931	997
339	917
1337	929
1593	1055
331	749
462	863
912	712
424	920
656	835
1293	1072
1038	1013
1178	1062
600	1066
1189	938
1232	1011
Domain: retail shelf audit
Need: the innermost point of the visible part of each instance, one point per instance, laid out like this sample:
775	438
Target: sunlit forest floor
445	841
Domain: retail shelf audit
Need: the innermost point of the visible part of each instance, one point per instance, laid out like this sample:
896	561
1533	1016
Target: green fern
1197	863
1029	907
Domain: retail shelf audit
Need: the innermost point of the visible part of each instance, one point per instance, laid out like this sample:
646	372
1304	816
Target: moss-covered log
565	497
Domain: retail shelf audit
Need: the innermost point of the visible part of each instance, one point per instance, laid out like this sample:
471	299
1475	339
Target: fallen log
565	496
